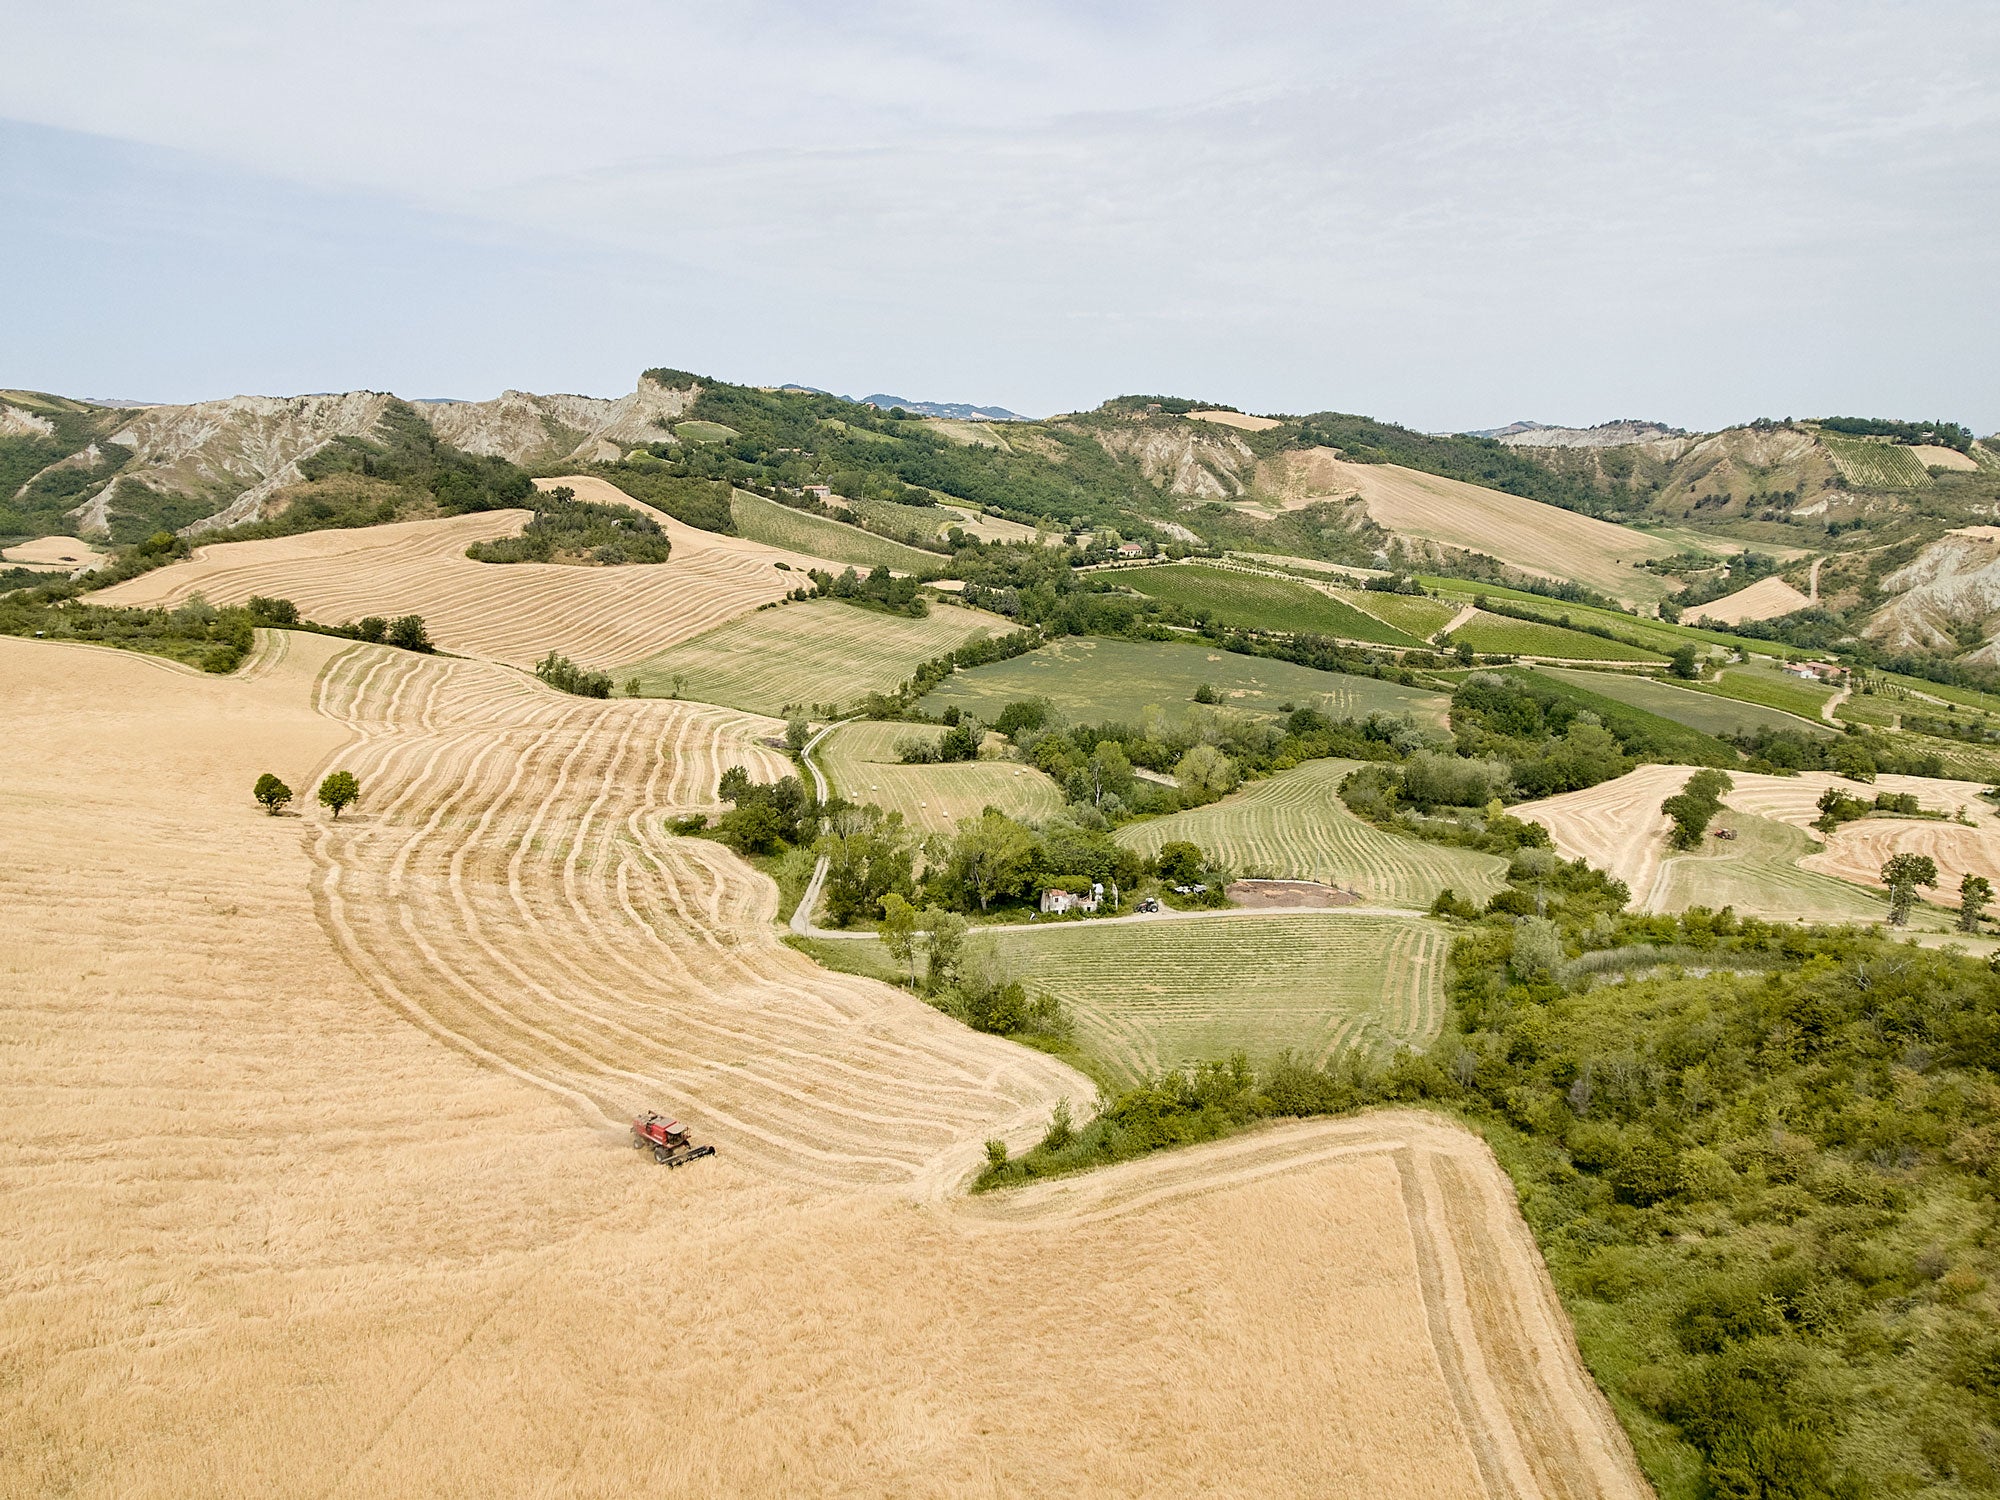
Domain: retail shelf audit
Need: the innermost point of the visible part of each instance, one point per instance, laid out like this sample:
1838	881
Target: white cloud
1453	214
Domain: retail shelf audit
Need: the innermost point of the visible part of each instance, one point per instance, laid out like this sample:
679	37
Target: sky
1452	215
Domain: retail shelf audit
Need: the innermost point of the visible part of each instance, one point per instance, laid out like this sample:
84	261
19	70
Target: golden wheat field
311	1159
511	612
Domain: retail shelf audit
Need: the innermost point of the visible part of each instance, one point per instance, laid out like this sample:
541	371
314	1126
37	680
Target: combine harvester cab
668	1138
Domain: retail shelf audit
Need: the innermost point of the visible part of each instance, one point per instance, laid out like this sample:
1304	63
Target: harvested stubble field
1779	870
780	526
303	1162
511	612
1294	825
815	651
1524	533
1090	679
1151	995
860	759
1711	713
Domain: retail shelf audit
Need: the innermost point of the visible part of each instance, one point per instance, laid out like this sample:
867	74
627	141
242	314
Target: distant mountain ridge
957	410
1605	435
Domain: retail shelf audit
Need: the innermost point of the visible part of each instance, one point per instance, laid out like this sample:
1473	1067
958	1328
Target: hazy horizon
1454	217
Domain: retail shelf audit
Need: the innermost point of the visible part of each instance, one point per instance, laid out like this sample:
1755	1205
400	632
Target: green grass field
1150	995
1758	873
1256	601
1499	635
780	526
1295	825
1091	679
1711	713
1875	466
704	432
1773	687
816	652
1657	635
1413	614
860	761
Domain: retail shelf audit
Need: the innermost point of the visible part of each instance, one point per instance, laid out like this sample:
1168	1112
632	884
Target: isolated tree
339	791
991	855
1204	694
273	793
408	632
1853	761
1903	873
1684	663
1974	893
899	932
631	687
1205	771
945	932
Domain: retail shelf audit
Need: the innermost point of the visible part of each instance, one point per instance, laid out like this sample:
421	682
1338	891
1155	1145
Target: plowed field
308	1190
512	612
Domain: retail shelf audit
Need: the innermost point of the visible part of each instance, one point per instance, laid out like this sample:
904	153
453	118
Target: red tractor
668	1138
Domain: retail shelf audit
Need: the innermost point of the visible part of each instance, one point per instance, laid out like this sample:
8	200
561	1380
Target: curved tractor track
510	889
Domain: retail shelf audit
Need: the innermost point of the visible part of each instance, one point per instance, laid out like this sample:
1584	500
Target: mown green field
1256	601
704	432
1771	686
1711	713
1149	995
1658	635
780	526
1413	614
860	760
819	651
1498	635
1091	679
1758	874
1295	825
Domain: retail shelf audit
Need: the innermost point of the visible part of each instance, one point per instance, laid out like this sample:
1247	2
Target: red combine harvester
668	1138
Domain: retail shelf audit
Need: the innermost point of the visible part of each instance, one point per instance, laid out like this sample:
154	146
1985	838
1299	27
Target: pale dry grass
267	1236
53	552
862	762
1239	420
1766	599
512	612
1931	456
1537	538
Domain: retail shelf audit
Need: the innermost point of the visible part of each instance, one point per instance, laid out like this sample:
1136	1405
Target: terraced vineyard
1294	824
1412	614
780	526
1502	635
1875	466
818	651
1090	679
515	612
860	760
1149	995
1256	601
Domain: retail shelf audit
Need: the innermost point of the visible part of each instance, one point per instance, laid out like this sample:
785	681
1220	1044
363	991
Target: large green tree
273	793
339	791
1903	874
